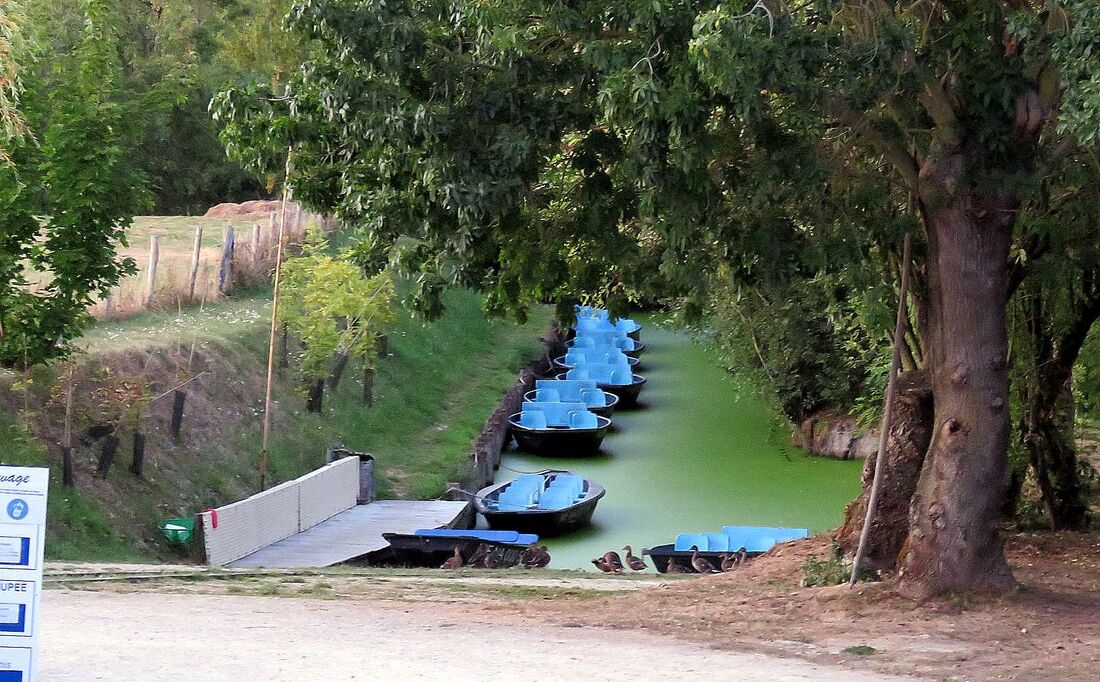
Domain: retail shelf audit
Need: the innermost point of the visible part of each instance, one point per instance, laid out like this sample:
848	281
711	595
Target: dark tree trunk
137	464
179	399
910	434
284	347
383	345
368	386
107	455
953	543
316	396
338	367
67	478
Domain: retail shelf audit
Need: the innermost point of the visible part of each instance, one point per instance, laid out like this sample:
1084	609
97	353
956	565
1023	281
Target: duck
674	567
477	559
635	563
700	564
613	560
454	561
601	564
535	556
729	562
492	560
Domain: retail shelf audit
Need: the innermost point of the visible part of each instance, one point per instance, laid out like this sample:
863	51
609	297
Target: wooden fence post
227	261
179	399
272	232
255	244
196	255
151	279
109	307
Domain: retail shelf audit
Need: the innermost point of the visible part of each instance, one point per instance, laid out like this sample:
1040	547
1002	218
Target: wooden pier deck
355	532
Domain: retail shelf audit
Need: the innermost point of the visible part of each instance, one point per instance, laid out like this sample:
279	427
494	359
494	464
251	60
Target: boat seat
685	541
761	538
556	499
557	414
571	482
528	482
568	390
583	419
532	420
718	542
626	325
621	378
593	397
579	373
510	537
584	342
625	343
547	395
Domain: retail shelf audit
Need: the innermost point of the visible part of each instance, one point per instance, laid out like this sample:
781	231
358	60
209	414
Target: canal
694	456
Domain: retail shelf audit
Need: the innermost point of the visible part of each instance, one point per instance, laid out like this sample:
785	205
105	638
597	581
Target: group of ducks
611	562
535	556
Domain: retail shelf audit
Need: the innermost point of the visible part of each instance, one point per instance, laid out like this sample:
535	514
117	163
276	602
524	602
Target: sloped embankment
432	394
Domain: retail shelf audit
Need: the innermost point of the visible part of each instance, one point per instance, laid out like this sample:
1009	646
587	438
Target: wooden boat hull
628	393
542	522
558	442
662	553
425	551
605	411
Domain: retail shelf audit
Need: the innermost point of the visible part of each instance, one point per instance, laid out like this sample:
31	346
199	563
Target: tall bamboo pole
274	324
888	408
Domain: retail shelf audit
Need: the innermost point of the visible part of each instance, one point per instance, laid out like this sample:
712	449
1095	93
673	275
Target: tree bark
137	464
910	435
316	397
338	367
368	386
953	543
107	455
179	400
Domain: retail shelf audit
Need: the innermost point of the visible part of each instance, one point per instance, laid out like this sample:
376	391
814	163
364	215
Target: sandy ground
153	637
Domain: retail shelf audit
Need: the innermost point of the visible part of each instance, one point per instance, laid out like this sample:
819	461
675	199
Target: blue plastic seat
556	499
528	482
760	538
571	482
685	541
621	377
547	395
584	342
626	325
506	536
718	542
583	419
557	414
593	397
579	373
532	420
624	343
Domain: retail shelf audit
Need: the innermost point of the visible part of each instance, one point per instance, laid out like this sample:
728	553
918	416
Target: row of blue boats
568	415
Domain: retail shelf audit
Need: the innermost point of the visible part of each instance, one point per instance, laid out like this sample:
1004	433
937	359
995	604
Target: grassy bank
432	394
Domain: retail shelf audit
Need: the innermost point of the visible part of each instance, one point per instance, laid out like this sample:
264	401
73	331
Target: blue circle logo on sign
18	509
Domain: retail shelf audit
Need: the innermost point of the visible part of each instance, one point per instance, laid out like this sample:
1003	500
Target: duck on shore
477	559
614	561
454	561
601	564
732	561
674	567
700	564
635	563
535	556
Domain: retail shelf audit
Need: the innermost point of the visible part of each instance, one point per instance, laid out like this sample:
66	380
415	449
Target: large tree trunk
953	544
910	434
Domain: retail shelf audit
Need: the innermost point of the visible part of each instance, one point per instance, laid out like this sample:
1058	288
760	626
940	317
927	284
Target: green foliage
836	570
334	308
82	179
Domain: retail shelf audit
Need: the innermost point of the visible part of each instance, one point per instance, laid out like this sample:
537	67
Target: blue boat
597	400
592	319
561	429
627	345
432	546
751	540
549	502
616	378
608	355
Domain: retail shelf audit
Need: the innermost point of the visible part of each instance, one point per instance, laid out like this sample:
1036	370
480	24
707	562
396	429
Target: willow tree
531	147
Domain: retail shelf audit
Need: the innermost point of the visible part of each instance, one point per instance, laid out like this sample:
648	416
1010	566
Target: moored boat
562	429
617	379
431	547
579	357
549	503
598	401
751	540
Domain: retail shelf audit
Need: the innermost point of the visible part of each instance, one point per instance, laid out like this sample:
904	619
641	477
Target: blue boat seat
624	343
578	373
532	420
593	397
557	414
685	541
528	482
718	542
584	342
568	390
556	498
509	537
599	337
570	482
626	325
547	395
583	420
621	378
761	538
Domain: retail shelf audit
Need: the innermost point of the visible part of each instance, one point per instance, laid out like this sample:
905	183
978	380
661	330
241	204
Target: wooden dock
356	532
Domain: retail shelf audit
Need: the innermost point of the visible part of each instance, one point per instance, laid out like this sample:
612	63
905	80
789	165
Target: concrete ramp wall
273	515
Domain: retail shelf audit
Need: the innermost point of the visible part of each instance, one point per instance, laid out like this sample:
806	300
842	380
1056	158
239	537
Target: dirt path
155	637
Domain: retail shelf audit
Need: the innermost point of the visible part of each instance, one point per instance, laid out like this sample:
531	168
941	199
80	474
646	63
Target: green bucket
178	531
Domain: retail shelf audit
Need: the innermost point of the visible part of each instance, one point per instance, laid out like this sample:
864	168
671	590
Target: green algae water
696	455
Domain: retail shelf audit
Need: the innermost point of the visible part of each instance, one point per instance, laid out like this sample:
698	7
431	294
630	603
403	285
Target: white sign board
22	542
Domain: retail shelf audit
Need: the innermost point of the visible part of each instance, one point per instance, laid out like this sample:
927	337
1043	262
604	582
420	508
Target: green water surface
694	456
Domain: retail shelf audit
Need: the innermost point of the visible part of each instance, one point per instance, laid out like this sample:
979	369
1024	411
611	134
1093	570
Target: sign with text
22	541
